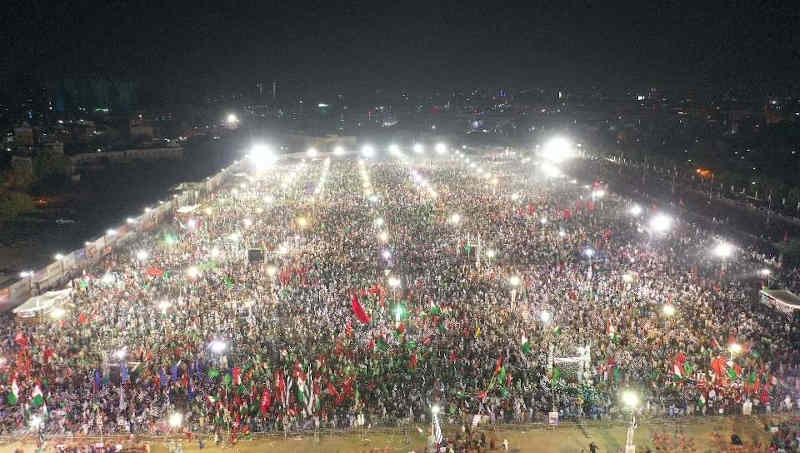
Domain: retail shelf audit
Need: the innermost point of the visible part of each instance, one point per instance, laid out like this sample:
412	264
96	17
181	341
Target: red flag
530	208
413	362
567	214
359	310
237	375
266	401
20	340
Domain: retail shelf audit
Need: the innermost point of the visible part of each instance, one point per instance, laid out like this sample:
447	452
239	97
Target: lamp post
631	400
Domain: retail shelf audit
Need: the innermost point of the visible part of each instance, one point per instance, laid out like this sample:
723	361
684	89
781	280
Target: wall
128	154
60	271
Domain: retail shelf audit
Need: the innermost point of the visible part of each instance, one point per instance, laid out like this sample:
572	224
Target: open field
533	438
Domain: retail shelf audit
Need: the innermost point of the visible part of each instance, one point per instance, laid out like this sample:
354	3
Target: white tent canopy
42	303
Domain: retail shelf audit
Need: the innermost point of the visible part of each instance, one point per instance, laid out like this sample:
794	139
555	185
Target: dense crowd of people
390	290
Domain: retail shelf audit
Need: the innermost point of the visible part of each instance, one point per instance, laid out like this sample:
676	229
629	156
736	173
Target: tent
43	303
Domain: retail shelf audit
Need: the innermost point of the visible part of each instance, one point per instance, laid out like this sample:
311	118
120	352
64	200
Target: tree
13	204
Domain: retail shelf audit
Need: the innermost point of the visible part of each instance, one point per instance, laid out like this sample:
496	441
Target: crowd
389	290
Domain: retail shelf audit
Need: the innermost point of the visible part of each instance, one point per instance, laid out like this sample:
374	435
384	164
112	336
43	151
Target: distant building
23	135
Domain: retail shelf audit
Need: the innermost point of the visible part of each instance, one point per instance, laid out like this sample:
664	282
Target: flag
266	401
526	346
557	330
13	396
556	373
677	364
359	310
38	398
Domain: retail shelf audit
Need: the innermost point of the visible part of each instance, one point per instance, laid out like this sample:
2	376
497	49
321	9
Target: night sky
329	45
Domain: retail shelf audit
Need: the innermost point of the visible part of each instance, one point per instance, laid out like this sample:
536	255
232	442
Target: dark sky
369	44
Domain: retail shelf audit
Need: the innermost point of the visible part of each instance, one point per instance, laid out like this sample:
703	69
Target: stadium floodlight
557	150
661	223
232	119
440	148
418	148
635	210
394	149
312	152
367	151
338	150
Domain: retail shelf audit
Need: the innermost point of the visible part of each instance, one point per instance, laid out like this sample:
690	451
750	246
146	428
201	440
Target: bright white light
550	170
107	278
142	255
379	221
455	218
35	421
668	310
247	223
765	272
440	148
435	410
164	306
120	354
175	420
735	348
215	252
232	119
312	152
261	156
562	233
589	252
192	223
491	253
544	220
514	280
193	272
338	151
661	223
386	254
546	317
418	148
630	399
271	270
111	232
557	150
367	151
394	149
130	220
217	346
628	277
635	210
373	198
58	313
598	193
268	199
724	249
394	282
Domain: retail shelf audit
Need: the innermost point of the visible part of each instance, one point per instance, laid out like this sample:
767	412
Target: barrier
59	272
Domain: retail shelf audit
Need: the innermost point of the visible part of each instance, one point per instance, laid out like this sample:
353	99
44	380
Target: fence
67	265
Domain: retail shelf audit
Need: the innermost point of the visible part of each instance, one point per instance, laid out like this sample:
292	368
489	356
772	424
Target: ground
565	438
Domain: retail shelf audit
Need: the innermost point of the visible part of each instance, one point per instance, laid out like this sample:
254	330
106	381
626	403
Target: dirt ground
565	438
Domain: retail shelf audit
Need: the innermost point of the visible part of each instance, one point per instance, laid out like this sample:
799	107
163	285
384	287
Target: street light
661	223
631	400
557	150
546	316
724	249
175	420
217	346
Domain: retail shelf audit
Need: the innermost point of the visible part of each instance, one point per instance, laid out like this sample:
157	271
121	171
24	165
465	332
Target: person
592	447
